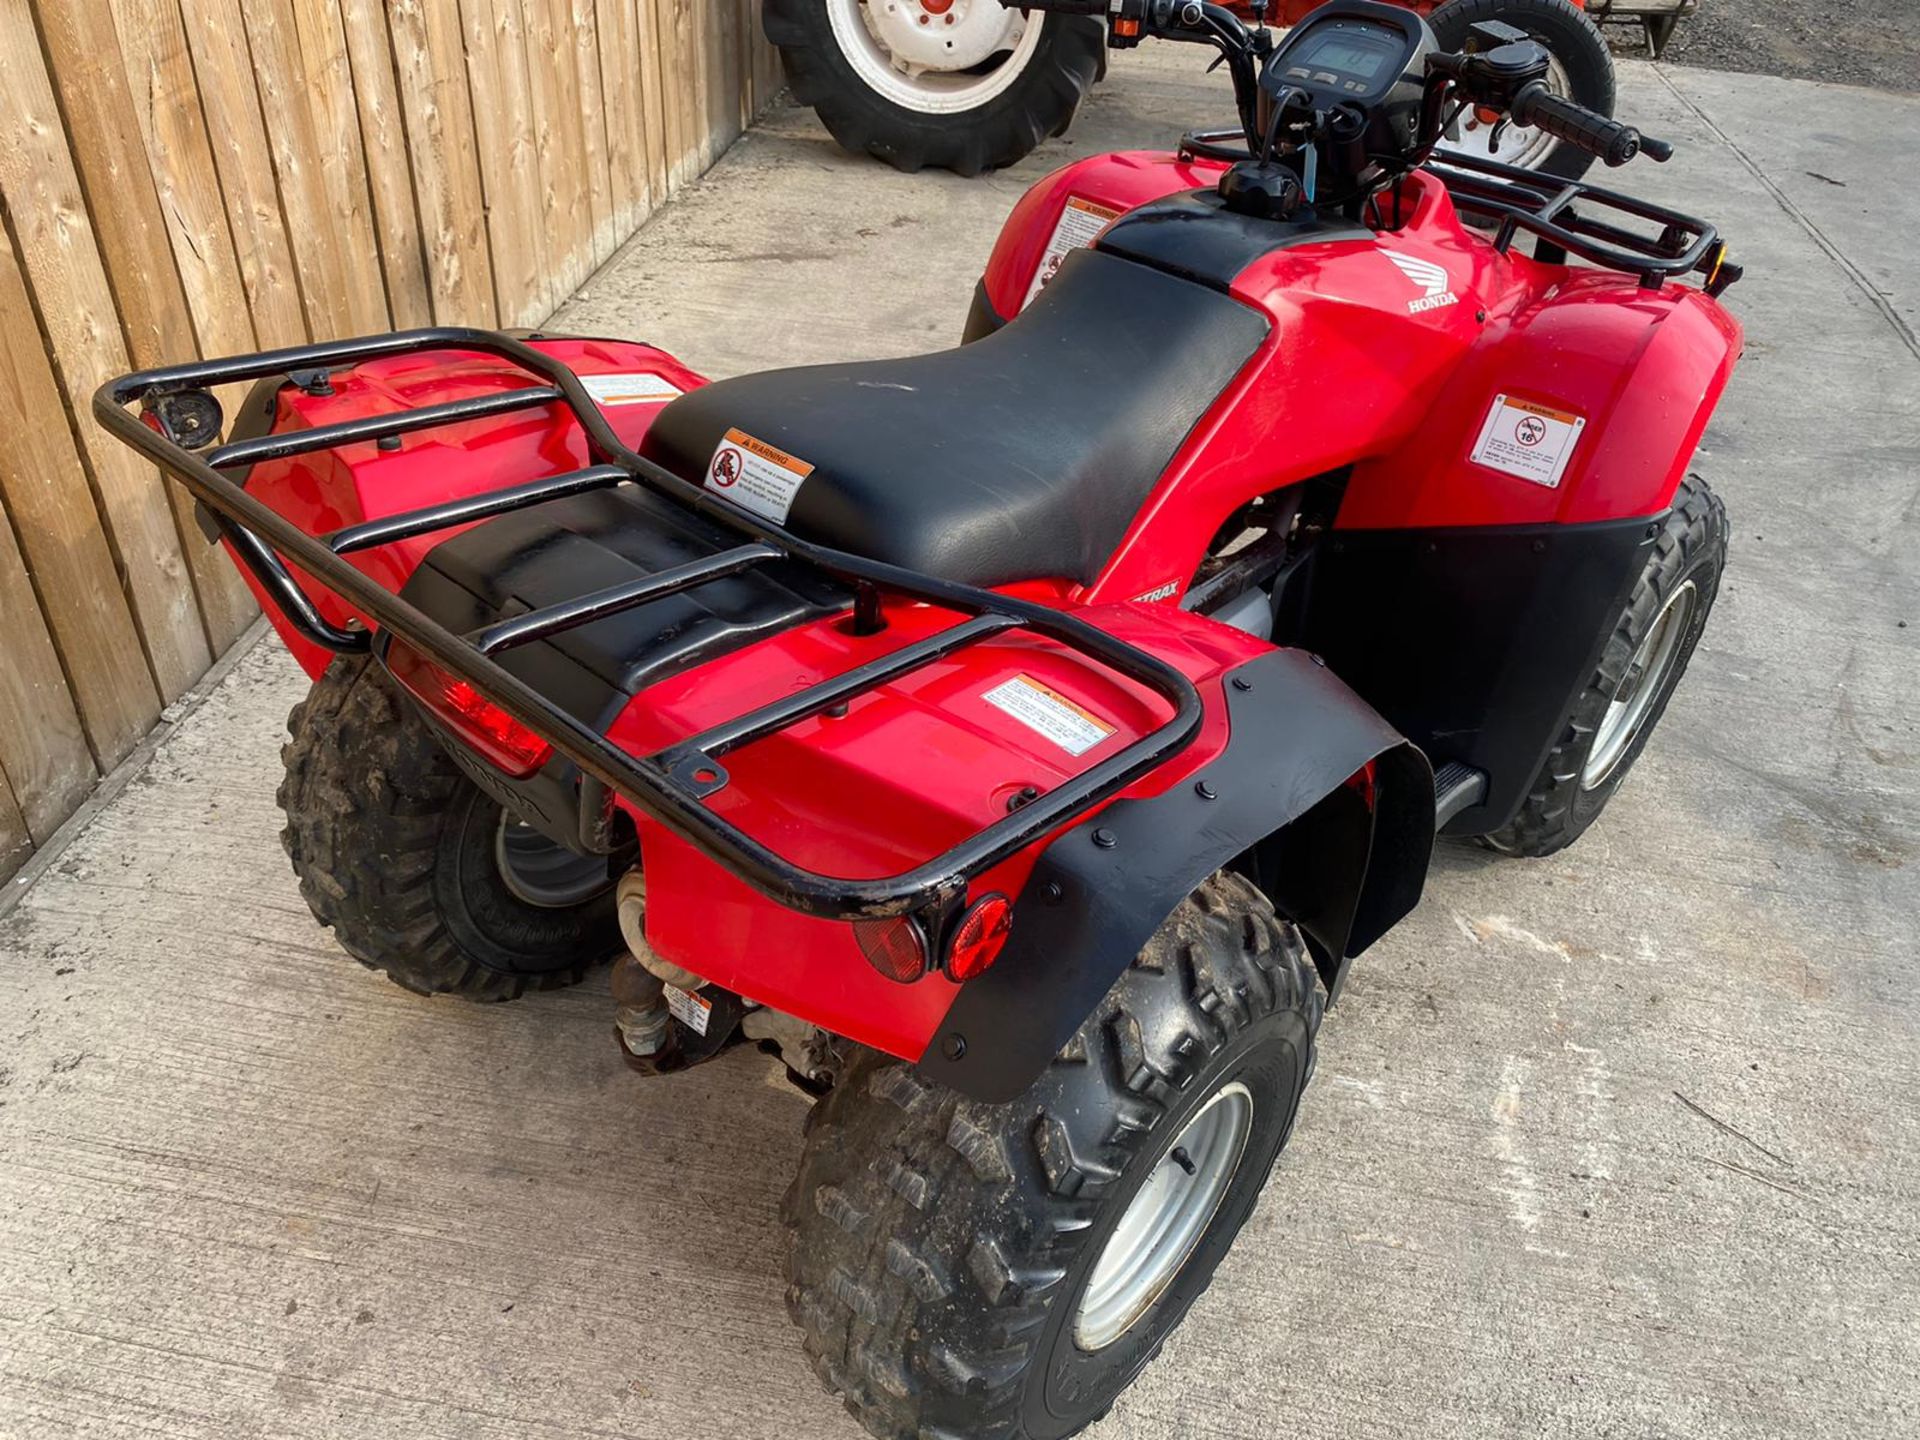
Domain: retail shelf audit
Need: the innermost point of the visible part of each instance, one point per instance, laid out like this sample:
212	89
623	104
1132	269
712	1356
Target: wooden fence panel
209	177
15	846
45	491
97	103
43	750
446	169
57	250
383	136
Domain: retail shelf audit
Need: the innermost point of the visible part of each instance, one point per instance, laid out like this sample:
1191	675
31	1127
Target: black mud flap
1275	803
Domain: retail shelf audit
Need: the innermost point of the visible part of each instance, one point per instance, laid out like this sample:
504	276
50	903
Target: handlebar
1580	127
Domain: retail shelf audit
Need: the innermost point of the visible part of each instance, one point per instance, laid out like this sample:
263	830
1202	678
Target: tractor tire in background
963	85
1581	70
419	872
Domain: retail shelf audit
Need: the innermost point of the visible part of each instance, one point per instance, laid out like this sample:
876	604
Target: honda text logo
1426	276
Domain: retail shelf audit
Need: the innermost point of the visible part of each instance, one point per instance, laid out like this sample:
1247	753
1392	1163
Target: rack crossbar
409	524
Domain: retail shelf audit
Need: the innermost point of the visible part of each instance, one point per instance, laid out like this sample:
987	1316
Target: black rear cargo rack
672	785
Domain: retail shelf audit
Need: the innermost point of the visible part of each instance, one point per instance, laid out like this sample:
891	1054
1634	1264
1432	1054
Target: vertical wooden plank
432	76
153	45
216	45
622	105
562	147
45	490
43	749
389	171
155	318
326	76
57	250
652	98
496	46
15	846
325	242
584	32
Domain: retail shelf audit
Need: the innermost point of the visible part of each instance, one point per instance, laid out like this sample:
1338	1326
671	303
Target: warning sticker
689	1009
1533	442
642	388
1080	225
755	476
1074	728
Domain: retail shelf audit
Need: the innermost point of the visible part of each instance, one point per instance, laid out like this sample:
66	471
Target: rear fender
1274	802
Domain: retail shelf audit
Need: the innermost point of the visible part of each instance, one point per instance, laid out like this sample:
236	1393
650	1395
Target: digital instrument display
1353	59
1361	59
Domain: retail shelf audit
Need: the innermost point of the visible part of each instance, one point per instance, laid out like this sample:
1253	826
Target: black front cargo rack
1561	213
672	785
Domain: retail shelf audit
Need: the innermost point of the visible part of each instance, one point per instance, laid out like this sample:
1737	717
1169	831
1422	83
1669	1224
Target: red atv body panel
1385	355
1351	376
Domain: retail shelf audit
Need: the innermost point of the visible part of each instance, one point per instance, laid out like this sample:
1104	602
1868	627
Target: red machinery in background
969	85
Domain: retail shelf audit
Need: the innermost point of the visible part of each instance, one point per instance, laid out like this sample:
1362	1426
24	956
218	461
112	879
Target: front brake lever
1659	151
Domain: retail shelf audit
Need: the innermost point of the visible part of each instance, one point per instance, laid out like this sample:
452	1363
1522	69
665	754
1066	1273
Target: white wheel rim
964	54
1646	676
1165	1219
1506	142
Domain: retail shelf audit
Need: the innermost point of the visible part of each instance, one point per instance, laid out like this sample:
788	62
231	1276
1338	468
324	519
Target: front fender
1274	802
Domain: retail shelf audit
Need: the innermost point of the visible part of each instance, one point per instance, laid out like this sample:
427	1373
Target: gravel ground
1863	42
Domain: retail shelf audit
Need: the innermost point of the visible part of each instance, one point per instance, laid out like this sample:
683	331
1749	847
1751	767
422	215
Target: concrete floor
1625	1143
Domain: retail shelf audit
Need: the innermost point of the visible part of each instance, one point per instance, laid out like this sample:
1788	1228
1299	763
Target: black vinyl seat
1023	455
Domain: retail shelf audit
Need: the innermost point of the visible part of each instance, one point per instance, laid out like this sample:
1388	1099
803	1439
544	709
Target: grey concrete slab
1621	1143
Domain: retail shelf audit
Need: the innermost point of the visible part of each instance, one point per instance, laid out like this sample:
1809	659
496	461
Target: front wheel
963	85
1645	657
975	1270
1579	68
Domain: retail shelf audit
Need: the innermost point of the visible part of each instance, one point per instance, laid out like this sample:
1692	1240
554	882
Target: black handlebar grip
1575	124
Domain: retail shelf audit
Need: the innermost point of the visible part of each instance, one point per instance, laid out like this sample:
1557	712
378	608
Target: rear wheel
1638	672
1006	1270
420	873
1580	68
965	85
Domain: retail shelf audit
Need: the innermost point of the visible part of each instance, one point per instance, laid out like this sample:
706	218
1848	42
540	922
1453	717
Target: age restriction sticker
756	476
689	1009
1074	728
1080	225
642	388
1529	441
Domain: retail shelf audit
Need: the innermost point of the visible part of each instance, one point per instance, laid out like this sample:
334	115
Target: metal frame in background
670	786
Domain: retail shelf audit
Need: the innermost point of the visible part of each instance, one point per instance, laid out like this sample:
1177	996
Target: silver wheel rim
1508	143
960	58
543	873
1646	677
1165	1220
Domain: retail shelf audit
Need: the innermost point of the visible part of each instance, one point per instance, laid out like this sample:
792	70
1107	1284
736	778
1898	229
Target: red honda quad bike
973	84
1021	740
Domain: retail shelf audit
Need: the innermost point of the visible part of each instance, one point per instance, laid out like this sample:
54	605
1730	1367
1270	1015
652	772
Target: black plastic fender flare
1274	803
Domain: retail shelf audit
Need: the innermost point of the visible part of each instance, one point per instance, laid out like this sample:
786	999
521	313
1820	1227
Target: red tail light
980	937
500	739
897	948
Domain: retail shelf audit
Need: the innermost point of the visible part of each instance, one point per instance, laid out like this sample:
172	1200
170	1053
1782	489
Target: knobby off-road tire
943	1247
1574	41
399	852
1677	583
1039	102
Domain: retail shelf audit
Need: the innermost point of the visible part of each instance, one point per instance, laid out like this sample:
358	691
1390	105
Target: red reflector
980	937
895	947
496	736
